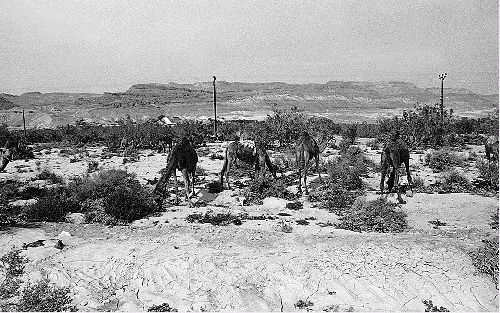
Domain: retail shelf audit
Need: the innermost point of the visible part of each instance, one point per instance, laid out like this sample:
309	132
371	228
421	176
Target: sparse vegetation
43	296
334	198
304	305
430	307
443	159
49	175
485	258
265	186
164	307
216	219
51	207
453	181
377	215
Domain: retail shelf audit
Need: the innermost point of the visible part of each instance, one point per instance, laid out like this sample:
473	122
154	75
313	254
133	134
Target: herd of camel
395	152
183	157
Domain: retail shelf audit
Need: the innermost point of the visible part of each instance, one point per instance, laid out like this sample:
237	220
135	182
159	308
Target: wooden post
215	112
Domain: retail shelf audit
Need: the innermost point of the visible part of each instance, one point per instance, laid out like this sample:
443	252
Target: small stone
59	245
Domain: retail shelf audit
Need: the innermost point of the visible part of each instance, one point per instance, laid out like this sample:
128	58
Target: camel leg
317	166
300	179
270	166
193	174
396	163
384	169
306	163
186	185
408	175
176	188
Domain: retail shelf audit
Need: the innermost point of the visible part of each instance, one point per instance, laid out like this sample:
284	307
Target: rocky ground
257	266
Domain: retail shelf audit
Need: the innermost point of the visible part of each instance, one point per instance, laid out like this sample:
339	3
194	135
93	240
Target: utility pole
24	126
442	77
215	112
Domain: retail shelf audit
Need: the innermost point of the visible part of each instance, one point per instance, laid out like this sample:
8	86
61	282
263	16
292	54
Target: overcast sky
96	46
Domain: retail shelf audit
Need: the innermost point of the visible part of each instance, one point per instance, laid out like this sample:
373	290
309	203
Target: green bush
43	296
443	159
485	259
377	215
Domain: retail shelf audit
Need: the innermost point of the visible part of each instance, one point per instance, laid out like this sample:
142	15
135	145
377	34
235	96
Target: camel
5	156
395	152
250	152
307	148
184	158
491	149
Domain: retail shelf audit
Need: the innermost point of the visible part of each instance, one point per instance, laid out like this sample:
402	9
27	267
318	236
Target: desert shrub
418	184
377	215
303	305
443	159
123	197
374	144
430	307
129	202
12	265
49	175
217	219
214	186
489	174
494	221
334	198
341	173
51	207
92	166
453	181
357	159
422	126
294	206
43	296
265	186
164	307
200	171
485	258
95	213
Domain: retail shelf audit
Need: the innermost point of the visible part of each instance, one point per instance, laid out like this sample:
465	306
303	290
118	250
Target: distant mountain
6	104
339	100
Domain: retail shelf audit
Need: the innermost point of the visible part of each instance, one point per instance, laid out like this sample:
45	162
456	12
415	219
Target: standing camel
307	148
491	149
5	156
395	152
249	152
183	157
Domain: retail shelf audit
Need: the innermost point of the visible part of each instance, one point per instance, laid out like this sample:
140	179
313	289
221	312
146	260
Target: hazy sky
96	46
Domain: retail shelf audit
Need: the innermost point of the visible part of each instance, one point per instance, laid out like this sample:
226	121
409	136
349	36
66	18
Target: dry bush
344	175
485	258
43	296
488	174
443	159
265	186
51	207
334	198
377	215
453	181
217	219
49	175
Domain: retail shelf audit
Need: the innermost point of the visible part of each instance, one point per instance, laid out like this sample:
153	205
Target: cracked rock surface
254	267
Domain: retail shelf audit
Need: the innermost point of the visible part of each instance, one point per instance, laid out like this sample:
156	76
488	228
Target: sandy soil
256	266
